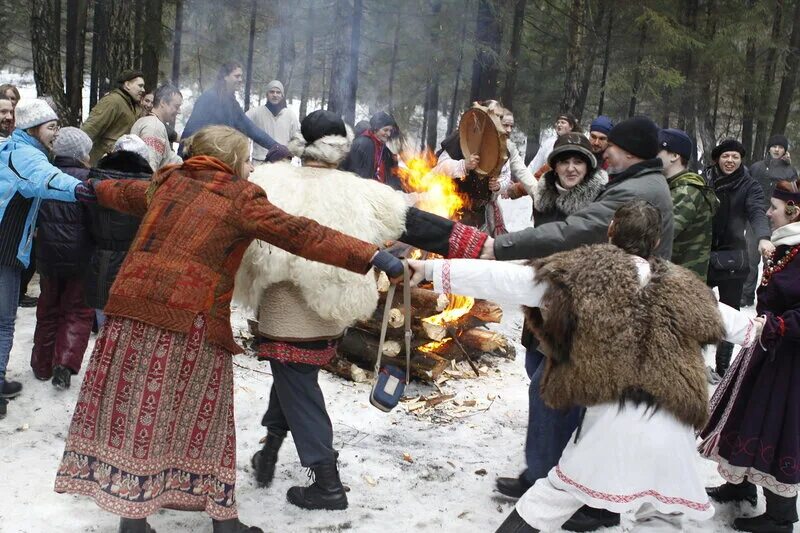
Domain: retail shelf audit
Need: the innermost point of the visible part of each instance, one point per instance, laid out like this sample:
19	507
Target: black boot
724	353
590	519
515	524
234	526
61	377
135	525
264	460
780	516
513	487
729	492
327	491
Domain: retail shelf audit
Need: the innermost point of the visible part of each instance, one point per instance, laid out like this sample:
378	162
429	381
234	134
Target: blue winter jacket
214	108
26	170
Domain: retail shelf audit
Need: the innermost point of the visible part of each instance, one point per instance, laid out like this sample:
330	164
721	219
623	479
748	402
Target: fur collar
331	149
611	339
362	208
548	199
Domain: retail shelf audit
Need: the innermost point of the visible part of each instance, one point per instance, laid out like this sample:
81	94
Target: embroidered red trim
626	498
446	277
287	353
466	242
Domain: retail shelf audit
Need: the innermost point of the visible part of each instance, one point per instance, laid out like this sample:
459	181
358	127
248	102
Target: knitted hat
602	124
638	136
33	112
380	120
274	84
321	123
132	143
778	140
728	145
572	144
676	141
72	142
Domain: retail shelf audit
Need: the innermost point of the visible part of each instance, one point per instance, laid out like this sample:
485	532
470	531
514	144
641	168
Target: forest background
715	68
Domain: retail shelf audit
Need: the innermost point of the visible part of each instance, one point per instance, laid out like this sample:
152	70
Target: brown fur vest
609	338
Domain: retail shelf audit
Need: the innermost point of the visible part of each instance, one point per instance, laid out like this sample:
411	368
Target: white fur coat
343	201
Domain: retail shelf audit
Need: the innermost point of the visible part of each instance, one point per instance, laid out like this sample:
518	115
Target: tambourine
480	132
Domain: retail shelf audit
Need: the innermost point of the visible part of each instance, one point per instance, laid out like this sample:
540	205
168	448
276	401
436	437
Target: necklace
771	268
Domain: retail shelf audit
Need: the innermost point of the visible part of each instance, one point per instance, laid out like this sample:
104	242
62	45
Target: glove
84	192
387	263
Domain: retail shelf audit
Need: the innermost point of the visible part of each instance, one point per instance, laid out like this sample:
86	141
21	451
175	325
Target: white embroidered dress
623	460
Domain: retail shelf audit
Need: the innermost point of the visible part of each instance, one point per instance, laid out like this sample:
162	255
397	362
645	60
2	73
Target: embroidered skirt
153	427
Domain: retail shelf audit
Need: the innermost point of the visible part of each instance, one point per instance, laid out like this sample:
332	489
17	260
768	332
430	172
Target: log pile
436	343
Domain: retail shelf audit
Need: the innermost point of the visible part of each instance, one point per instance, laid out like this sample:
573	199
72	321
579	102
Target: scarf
378	163
275	109
788	235
195	163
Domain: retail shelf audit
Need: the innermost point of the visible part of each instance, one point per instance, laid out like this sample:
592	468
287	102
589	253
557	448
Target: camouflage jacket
694	204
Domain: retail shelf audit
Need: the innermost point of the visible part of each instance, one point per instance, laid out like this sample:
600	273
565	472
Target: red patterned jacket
194	231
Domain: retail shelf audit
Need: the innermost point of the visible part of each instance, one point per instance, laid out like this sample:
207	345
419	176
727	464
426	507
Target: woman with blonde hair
153	427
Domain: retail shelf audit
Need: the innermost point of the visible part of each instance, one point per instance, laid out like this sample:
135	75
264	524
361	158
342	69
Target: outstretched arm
739	327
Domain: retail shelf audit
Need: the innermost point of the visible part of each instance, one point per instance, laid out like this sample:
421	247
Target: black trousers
730	293
749	290
27	275
296	404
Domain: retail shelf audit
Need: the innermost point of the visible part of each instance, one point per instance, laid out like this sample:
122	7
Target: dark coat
741	200
215	108
769	172
762	411
112	231
642	181
63	243
361	161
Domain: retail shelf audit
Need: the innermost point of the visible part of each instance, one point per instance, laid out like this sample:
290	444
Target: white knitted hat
32	112
132	143
72	142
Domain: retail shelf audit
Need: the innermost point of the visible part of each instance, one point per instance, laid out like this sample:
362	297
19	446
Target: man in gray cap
275	118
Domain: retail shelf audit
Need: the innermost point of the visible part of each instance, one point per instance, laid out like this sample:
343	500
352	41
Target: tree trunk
637	73
355	50
451	120
569	96
686	114
748	95
308	63
510	86
590	44
768	81
154	42
77	11
287	54
432	109
606	60
248	84
99	45
45	27
488	34
176	43
138	34
337	97
119	53
393	62
425	116
789	81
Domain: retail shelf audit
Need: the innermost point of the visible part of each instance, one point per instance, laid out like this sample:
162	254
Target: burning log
483	340
362	348
486	311
424	302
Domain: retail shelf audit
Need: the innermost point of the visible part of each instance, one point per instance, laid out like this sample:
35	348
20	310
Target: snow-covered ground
448	484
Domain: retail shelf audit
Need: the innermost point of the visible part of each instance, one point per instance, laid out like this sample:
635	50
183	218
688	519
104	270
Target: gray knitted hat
32	112
72	142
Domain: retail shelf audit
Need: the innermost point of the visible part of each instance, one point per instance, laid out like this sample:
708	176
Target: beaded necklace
771	268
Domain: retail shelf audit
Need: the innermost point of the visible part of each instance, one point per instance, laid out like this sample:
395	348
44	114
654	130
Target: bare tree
488	34
789	80
176	42
248	83
510	87
77	11
46	47
153	44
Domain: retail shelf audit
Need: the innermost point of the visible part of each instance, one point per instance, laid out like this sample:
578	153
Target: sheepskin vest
300	300
610	338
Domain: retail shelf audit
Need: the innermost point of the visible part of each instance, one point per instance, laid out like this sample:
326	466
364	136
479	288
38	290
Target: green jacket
694	205
111	118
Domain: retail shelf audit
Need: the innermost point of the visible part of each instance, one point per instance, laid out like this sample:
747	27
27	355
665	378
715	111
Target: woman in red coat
153	427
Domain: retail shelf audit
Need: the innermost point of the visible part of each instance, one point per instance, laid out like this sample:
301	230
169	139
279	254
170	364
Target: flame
458	307
416	253
441	191
434	346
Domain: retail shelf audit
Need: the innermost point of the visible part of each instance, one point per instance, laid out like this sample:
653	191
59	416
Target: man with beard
598	137
6	118
152	129
275	118
115	113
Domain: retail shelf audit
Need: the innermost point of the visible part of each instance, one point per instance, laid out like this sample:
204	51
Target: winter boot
135	525
61	377
780	516
590	519
513	487
234	526
327	491
3	408
10	389
729	492
724	353
515	524
264	460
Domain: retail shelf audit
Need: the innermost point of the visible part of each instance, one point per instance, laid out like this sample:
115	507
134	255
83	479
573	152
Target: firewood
486	311
424	302
483	340
361	348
